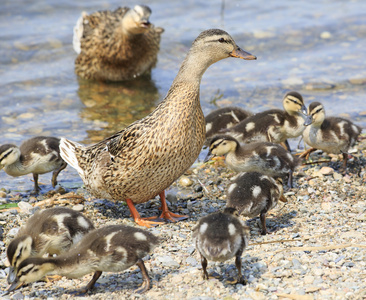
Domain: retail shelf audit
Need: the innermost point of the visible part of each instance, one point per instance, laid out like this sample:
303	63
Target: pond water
314	47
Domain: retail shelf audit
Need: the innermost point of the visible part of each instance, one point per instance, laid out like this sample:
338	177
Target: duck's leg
204	267
241	279
166	214
306	153
136	216
286	145
263	222
290	179
345	159
36	186
56	172
90	285
146	280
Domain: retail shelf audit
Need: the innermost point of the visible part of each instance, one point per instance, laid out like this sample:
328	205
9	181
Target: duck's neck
16	169
71	265
193	67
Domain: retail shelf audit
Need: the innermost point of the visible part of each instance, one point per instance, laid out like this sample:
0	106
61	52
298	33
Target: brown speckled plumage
145	158
273	125
110	52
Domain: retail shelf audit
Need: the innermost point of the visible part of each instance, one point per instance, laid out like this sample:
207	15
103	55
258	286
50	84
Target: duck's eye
221	40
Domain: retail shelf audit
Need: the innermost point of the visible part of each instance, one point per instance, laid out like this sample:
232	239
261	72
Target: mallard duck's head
316	114
9	154
218	44
18	250
136	20
293	102
30	270
221	145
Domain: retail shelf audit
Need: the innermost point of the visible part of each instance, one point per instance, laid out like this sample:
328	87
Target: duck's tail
78	33
68	152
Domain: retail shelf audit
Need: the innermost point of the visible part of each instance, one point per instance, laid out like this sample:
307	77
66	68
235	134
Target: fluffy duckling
253	194
116	45
263	157
221	236
142	160
113	248
273	125
223	118
38	155
329	134
51	231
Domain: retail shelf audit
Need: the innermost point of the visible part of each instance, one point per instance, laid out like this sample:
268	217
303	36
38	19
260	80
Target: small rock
25	207
2	194
12	232
78	207
337	176
326	171
185	181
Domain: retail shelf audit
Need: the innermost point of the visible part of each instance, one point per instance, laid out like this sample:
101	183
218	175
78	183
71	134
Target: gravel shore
316	247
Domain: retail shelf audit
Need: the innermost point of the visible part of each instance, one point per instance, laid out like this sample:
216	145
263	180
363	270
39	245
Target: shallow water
314	47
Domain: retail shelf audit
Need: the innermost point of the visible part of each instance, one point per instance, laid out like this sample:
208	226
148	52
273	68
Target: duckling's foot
52	278
146	280
89	286
306	153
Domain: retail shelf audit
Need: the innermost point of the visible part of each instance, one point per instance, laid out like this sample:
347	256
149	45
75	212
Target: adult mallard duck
253	194
51	231
264	157
38	155
275	125
142	160
221	236
332	134
116	45
112	248
223	118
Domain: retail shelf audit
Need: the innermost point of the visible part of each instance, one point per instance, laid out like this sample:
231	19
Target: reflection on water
115	105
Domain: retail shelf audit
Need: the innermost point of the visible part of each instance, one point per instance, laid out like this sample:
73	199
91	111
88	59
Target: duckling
221	236
142	160
111	248
223	118
275	125
116	45
38	155
264	157
52	231
329	134
253	194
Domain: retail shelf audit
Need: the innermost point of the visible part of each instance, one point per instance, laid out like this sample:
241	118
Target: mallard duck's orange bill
240	53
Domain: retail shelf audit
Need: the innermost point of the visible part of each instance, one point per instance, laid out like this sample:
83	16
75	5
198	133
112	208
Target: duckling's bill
12	275
240	53
308	120
15	285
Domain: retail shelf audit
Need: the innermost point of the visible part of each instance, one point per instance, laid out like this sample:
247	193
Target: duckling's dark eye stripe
5	155
294	100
